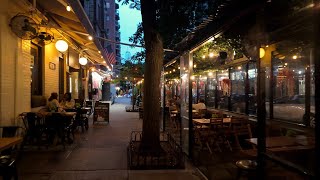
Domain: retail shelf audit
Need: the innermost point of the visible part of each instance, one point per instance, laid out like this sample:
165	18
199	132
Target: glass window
252	78
211	91
201	88
107	5
36	70
238	96
223	91
289	78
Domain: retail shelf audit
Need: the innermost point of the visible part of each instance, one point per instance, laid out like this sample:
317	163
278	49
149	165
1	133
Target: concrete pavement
97	154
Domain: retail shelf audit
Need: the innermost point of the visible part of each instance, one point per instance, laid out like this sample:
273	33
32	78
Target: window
289	78
223	89
36	70
211	91
108	5
107	18
252	94
238	95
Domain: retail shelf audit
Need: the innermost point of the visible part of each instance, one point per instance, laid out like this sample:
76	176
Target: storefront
40	58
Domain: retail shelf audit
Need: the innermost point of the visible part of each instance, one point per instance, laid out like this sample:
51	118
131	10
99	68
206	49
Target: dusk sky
129	19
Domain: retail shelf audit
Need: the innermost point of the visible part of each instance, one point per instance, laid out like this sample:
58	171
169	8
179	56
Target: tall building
104	15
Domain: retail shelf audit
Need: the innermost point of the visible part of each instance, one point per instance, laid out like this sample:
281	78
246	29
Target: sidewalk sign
101	111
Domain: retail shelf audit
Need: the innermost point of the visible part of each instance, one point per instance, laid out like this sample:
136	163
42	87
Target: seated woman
53	104
67	102
200	105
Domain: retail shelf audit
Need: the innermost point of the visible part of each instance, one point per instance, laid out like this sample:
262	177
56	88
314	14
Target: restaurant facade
32	63
254	61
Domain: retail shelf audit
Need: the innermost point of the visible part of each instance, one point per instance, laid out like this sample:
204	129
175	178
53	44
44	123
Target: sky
129	19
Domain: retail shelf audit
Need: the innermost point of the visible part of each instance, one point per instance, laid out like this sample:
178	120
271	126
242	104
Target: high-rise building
104	15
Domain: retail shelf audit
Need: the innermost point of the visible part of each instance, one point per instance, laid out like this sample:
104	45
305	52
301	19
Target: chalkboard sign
101	112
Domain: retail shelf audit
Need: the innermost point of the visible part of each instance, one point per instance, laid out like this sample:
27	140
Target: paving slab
99	153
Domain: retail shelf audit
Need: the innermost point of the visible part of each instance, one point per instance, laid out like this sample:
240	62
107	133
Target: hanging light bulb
83	61
61	45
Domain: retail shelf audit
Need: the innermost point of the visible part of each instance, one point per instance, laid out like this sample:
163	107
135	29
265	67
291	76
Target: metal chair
59	126
34	126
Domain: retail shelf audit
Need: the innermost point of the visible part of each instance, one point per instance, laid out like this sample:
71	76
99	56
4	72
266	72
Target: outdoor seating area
222	137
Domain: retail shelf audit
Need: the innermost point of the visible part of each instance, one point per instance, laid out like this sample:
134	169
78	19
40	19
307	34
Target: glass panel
289	79
252	77
184	62
211	91
202	88
238	96
223	89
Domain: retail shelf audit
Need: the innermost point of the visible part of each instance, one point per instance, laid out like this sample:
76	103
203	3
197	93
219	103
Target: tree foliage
130	70
175	19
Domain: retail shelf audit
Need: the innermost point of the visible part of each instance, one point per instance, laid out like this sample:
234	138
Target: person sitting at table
67	102
53	104
199	105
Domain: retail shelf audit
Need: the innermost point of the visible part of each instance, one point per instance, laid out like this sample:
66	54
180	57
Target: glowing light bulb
68	8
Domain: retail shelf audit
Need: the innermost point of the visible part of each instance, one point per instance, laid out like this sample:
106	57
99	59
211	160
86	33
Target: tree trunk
154	57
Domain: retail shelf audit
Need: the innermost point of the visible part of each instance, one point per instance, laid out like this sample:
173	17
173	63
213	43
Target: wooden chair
220	137
173	118
201	135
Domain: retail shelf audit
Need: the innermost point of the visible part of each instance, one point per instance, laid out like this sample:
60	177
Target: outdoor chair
173	119
58	126
201	133
216	137
8	157
81	119
34	126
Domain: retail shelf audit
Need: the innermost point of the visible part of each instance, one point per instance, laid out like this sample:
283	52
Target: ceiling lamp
90	37
83	61
61	45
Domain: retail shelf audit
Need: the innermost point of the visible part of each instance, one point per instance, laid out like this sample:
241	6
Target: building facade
104	15
31	66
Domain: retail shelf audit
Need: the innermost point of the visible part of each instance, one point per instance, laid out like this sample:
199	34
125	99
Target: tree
163	22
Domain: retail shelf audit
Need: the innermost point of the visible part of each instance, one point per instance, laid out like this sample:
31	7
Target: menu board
101	112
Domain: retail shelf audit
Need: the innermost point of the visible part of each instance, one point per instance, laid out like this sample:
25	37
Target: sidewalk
99	153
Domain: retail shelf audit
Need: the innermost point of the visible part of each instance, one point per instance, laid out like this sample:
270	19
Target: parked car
292	108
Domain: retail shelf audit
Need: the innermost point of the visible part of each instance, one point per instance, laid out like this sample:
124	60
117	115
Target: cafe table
9	142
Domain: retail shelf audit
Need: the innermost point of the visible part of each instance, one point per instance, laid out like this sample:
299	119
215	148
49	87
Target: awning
74	25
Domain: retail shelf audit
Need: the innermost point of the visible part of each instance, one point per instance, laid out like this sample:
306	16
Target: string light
68	8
